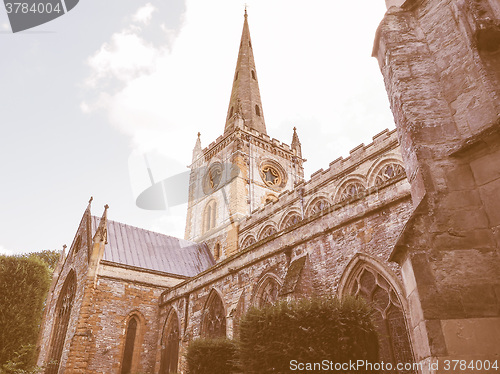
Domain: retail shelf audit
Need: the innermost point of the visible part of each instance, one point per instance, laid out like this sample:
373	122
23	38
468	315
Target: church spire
296	146
245	96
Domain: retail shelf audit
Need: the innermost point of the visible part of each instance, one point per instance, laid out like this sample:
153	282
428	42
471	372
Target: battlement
361	167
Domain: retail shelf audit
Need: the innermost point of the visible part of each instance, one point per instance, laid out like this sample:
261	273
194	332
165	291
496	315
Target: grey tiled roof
145	249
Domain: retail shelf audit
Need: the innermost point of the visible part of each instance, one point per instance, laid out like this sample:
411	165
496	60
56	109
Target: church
409	222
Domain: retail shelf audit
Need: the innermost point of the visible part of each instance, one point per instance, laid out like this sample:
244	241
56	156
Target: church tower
241	171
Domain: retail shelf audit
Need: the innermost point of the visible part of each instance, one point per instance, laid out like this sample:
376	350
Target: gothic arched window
351	190
317	206
249	240
257	110
170	345
128	351
267	293
268	231
291	219
389	171
63	312
209	216
214	320
394	342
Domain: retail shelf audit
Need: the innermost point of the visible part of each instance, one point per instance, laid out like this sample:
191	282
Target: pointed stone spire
245	96
101	234
197	151
296	143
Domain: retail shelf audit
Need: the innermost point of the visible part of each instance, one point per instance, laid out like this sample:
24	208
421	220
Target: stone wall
440	63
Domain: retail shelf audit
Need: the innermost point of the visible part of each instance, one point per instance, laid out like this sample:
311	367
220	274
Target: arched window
317	206
236	76
231	111
291	219
209	216
128	352
350	190
268	231
170	345
267	293
389	171
214	317
257	110
217	252
253	75
249	240
63	312
394	342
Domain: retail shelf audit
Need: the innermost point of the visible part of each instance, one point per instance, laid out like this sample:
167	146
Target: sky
87	98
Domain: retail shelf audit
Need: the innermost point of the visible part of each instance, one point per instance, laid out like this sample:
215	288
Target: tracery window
267	293
214	320
388	172
128	352
170	345
248	242
394	342
63	312
318	205
351	190
217	251
268	231
290	220
209	216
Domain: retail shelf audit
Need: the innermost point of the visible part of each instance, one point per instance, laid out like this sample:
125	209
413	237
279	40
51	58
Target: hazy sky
84	98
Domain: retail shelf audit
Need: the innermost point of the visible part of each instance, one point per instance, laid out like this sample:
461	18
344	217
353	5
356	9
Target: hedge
24	283
211	356
307	331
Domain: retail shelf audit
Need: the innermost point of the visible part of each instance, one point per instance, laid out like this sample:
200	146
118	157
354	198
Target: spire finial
106	206
199	134
91	198
246	6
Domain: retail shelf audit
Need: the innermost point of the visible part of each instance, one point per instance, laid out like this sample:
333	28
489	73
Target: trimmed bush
24	283
308	331
211	356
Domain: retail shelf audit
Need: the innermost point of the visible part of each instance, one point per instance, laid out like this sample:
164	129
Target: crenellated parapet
366	170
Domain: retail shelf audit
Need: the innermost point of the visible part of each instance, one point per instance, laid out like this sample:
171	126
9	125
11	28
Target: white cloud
5	251
314	67
144	14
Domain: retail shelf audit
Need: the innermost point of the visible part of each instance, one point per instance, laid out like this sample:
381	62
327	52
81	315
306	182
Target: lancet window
394	343
170	345
63	313
214	320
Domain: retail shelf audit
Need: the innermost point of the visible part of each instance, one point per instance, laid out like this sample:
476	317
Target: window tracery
170	345
389	171
291	219
214	321
394	343
63	313
248	241
267	293
351	190
268	231
318	205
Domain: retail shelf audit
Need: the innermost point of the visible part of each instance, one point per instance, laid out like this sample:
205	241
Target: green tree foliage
24	283
48	256
211	356
307	331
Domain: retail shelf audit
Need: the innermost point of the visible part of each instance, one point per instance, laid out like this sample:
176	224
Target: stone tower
441	64
243	169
